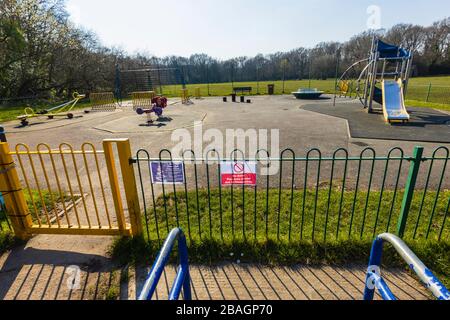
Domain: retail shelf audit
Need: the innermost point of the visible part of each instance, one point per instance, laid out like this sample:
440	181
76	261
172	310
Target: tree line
43	54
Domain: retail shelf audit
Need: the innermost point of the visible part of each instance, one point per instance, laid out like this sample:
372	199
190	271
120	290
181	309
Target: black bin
271	89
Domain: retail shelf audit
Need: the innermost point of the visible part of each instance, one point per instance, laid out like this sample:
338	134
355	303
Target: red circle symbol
239	168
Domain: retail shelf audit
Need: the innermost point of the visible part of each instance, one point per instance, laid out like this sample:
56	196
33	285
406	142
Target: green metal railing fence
314	197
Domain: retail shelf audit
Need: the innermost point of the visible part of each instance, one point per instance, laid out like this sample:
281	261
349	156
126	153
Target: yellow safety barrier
67	191
103	101
198	93
142	99
184	96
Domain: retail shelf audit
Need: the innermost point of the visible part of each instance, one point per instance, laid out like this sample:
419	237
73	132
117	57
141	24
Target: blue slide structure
374	280
394	109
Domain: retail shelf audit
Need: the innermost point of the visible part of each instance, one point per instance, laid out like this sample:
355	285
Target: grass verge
298	215
423	104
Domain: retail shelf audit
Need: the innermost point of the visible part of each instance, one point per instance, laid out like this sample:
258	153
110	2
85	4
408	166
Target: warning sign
238	173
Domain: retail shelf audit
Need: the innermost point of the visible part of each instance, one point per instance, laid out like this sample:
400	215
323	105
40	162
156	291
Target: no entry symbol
238	167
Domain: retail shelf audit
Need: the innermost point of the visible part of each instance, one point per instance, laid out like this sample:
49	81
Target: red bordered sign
238	173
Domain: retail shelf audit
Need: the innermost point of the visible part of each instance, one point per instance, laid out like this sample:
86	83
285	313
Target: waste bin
271	89
233	97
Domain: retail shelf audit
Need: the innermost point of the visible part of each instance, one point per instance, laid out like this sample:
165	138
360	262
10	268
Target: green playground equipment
62	110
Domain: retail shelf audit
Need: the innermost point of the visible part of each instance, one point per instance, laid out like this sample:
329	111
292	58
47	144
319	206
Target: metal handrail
182	280
375	281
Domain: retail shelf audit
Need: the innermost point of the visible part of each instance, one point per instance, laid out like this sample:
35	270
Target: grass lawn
245	216
439	96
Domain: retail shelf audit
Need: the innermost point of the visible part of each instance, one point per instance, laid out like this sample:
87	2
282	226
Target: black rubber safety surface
426	125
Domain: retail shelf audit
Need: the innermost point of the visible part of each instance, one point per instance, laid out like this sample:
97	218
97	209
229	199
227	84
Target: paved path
254	282
43	270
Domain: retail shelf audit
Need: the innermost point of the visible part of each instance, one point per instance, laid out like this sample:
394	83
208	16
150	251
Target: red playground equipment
158	106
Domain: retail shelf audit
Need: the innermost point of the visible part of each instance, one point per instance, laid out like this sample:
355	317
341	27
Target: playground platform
426	125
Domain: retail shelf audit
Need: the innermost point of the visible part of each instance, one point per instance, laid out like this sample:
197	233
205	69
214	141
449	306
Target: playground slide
393	102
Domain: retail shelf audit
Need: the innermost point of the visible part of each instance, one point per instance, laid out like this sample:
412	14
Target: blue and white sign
166	172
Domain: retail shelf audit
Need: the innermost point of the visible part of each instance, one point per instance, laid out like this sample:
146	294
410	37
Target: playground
316	174
322	125
312	124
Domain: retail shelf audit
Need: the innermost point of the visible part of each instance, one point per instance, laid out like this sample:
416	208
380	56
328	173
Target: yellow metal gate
68	191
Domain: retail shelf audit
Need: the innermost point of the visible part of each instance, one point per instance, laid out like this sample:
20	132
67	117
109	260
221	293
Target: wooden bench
242	90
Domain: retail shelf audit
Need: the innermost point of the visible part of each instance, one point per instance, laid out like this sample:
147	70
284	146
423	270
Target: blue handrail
375	281
182	280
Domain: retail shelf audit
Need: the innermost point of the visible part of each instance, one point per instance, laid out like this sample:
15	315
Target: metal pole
232	76
371	60
373	82
2	134
409	190
159	80
408	74
336	78
309	71
207	79
429	92
118	85
257	79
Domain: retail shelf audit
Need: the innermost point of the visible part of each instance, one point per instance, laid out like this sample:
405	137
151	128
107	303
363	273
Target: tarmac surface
426	125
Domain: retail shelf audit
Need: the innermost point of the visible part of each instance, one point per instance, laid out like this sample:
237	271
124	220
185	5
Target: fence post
114	183
429	92
409	190
2	134
16	205
129	182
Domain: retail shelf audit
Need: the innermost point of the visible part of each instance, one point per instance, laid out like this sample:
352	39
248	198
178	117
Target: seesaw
62	110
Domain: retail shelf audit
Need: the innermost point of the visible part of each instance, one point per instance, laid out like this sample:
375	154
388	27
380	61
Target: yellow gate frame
20	213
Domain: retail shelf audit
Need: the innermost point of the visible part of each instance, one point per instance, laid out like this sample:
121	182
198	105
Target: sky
230	28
